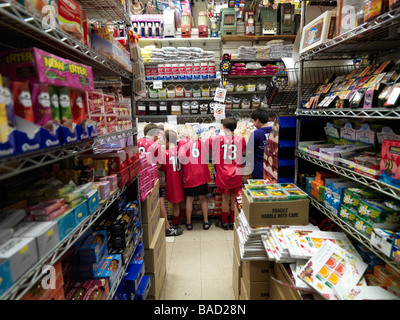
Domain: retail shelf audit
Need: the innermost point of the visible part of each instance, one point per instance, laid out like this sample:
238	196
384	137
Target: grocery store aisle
199	264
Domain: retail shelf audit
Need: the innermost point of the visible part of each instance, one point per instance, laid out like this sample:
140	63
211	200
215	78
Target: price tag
219	112
157	84
220	94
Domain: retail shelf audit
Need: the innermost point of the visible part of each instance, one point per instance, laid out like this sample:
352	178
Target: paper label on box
158	84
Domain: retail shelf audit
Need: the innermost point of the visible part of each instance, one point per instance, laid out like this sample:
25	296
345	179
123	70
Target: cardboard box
256	290
157	280
261	214
147	206
157	248
45	233
91	250
243	293
282	275
237	274
150	228
276	292
256	271
21	254
133	276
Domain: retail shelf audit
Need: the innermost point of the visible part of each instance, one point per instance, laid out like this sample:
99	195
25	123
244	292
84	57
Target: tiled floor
199	264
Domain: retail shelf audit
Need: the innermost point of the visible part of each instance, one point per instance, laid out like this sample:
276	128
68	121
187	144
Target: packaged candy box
296	194
277	195
256	184
260	195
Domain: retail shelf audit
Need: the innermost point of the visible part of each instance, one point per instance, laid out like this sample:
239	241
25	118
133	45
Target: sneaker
173	231
224	226
231	225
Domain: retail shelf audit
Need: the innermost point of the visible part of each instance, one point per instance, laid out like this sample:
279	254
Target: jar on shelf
196	91
228	103
194	107
176	109
213	88
236	103
205	90
212	107
264	103
162	93
153	109
163	108
187	90
185	107
153	93
255	102
179	91
229	86
250	85
141	109
261	85
171	91
204	108
239	86
245	103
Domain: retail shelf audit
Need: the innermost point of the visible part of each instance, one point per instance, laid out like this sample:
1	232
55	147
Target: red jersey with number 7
227	156
194	160
173	176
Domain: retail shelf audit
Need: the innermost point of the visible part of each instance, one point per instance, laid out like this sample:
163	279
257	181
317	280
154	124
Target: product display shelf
22	29
354	233
257	38
178	40
105	10
374	113
184	81
360	178
251	76
12	166
23	284
152	63
176	99
369	37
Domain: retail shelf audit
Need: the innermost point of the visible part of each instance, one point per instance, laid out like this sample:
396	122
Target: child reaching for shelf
173	175
227	153
192	154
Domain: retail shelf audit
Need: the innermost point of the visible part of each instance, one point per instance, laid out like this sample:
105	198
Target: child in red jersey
227	156
173	175
193	156
148	144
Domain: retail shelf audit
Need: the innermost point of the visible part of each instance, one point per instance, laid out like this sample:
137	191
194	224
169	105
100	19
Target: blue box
49	140
25	144
309	181
139	252
88	271
81	212
133	276
338	188
93	200
66	223
5	276
143	289
110	269
92	249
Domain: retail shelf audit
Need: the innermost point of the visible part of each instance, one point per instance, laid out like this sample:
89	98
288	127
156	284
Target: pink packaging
52	215
35	65
109	103
94	101
104	189
41	105
46	207
100	120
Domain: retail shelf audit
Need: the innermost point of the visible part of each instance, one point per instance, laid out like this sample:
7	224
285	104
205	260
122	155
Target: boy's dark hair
152	128
261	115
171	136
230	123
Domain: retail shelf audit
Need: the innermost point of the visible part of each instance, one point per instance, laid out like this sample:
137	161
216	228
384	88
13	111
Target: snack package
54	104
65	107
41	105
69	18
78	106
22	100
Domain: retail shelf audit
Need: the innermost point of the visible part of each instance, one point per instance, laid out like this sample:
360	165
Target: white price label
157	84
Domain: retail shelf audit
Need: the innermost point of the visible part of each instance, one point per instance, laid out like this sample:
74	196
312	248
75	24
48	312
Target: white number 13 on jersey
232	151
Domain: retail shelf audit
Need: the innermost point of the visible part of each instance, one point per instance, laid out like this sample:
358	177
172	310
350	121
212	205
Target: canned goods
204	70
211	70
182	71
205	90
187	89
196	91
171	91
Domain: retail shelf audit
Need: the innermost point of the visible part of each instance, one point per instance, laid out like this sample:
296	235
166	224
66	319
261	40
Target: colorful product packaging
22	100
69	18
41	105
390	162
78	106
54	104
35	65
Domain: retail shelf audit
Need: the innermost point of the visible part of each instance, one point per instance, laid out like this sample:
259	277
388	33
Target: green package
377	212
353	196
54	105
348	214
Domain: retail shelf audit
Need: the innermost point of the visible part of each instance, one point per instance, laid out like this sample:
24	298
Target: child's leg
176	212
225	207
182	206
189	208
204	207
233	197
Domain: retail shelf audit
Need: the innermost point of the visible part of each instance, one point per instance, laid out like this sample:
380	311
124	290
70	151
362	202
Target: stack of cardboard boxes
155	255
252	279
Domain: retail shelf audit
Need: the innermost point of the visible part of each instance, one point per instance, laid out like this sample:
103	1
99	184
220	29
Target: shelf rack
105	10
257	38
22	28
354	233
175	99
30	278
360	40
360	178
374	113
369	39
12	166
185	80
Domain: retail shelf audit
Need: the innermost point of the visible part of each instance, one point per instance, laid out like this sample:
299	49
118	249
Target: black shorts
201	190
